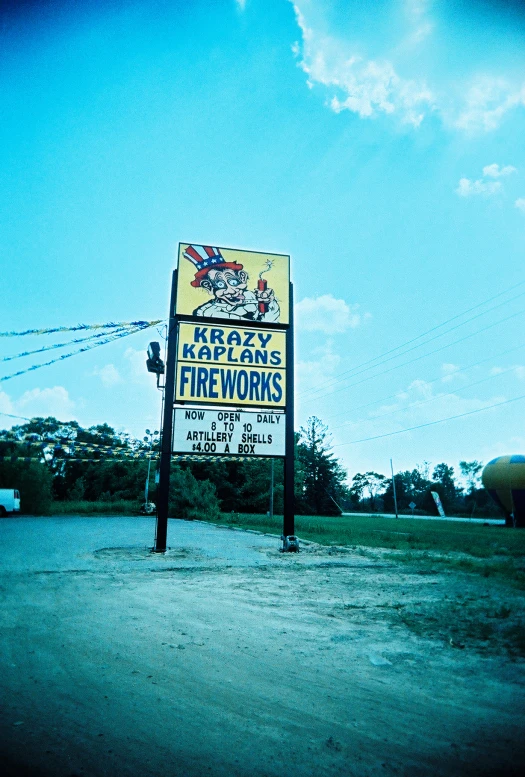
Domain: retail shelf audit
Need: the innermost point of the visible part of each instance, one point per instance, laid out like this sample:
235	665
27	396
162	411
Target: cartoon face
226	285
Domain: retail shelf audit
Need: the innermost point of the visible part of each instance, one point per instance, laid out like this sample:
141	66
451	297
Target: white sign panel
234	432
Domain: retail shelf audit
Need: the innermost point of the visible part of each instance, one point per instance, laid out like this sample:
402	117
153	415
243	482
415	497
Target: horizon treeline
51	461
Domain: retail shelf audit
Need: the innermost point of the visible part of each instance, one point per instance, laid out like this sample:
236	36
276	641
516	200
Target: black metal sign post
289	513
163	491
289	540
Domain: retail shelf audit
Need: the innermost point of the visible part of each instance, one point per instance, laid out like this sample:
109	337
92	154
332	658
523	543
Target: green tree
471	471
443	481
367	488
190	498
323	476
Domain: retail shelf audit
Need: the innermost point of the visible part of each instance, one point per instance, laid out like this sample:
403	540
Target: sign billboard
225	431
231	365
233	285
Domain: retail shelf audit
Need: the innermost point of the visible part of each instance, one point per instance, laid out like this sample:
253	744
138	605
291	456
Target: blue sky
379	144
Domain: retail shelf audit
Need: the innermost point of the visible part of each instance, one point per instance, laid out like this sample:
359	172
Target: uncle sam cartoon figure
227	286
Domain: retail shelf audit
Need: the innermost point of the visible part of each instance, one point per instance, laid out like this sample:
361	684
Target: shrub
191	498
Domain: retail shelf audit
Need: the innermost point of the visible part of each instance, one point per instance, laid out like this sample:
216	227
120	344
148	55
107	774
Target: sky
379	144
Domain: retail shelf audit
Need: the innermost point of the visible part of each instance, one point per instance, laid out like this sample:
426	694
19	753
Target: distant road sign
234	432
412	505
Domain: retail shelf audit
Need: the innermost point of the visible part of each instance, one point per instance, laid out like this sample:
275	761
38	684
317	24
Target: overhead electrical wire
10	415
380	358
431	423
426	401
422	356
429	382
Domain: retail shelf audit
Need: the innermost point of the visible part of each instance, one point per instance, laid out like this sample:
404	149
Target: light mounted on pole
154	363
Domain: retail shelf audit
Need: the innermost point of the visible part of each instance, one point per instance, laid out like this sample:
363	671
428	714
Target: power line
429	331
429	382
10	415
432	423
422	356
426	401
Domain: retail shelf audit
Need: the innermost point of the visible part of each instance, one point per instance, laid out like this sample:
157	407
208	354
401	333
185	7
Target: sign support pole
289	511
163	491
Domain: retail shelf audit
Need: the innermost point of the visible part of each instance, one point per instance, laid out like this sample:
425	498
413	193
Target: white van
9	501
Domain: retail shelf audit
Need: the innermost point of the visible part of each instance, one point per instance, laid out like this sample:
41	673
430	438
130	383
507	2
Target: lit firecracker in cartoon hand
264	295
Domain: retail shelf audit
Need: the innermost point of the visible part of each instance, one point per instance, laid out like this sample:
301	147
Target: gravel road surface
224	657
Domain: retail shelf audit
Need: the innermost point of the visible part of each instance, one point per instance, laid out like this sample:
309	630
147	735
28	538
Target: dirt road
226	658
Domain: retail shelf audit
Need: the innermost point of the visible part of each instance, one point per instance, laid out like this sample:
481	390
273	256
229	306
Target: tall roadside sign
229	390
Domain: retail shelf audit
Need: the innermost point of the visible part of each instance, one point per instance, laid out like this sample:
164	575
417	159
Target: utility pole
163	491
394	487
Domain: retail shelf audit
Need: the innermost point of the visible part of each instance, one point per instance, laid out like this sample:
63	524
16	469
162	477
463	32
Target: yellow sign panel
233	285
231	365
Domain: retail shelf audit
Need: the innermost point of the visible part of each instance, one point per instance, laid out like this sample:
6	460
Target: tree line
51	461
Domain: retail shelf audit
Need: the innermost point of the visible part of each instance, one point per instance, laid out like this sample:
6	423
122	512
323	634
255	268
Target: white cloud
44	402
487	101
449	370
467	188
495	171
6	405
517	369
241	4
420	404
316	372
109	375
520	204
370	87
326	314
364	86
136	363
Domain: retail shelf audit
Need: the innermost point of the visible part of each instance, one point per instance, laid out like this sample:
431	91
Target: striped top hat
205	258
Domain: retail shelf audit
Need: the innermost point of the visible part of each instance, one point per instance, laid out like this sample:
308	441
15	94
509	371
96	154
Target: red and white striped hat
205	258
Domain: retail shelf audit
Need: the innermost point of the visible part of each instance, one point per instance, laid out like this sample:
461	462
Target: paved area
224	657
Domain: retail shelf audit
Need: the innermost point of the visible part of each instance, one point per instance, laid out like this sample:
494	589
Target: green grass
119	507
488	551
404	534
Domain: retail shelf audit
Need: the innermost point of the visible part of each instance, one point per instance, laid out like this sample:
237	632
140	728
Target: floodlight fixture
154	363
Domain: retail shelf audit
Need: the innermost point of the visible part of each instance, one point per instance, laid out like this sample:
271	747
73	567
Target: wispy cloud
109	375
467	188
487	101
520	204
364	86
44	402
313	373
495	171
327	314
449	371
517	369
392	84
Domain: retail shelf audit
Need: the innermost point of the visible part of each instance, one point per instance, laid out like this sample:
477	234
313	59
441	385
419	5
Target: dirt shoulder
225	657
